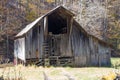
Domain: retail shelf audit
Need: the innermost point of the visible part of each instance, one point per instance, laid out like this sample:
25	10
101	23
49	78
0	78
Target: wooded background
100	18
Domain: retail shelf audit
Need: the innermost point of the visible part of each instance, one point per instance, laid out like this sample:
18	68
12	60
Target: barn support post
99	56
45	27
42	38
38	41
70	42
16	60
45	45
71	26
31	45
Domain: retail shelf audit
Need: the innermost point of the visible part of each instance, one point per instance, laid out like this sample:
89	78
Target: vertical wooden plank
46	26
41	37
70	43
38	34
20	48
26	47
30	43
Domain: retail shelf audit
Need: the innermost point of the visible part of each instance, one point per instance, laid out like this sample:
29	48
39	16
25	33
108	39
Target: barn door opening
55	45
57	24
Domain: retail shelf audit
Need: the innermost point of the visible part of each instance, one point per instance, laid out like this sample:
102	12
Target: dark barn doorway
57	26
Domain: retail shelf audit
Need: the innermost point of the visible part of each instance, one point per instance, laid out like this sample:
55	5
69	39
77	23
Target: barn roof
31	25
63	10
87	34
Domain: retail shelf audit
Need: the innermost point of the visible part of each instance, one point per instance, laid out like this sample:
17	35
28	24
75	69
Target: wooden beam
46	26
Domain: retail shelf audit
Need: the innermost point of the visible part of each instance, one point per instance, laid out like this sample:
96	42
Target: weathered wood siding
78	46
104	54
65	46
34	41
88	50
41	37
61	46
19	50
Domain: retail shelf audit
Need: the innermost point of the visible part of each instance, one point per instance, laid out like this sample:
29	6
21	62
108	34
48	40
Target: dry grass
58	73
54	73
115	63
4	65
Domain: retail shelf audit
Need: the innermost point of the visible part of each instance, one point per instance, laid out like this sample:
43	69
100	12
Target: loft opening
57	23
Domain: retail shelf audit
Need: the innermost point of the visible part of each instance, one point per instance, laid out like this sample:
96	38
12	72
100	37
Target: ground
59	73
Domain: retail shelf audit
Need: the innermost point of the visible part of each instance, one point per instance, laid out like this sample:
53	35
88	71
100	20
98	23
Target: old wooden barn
57	39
